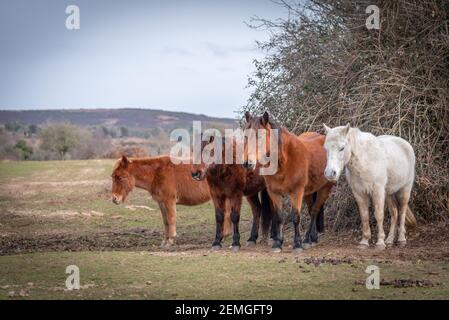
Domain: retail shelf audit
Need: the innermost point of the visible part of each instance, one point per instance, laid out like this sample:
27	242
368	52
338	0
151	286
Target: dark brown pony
168	183
300	174
228	184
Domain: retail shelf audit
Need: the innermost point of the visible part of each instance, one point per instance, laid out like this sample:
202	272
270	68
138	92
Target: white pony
381	167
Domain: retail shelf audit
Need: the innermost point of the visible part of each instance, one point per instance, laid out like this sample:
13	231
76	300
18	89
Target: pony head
256	125
338	151
122	181
199	170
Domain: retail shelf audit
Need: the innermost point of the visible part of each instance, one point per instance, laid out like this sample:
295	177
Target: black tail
320	220
320	217
267	213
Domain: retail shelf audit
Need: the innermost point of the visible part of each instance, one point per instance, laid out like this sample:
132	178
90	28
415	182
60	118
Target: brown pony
301	163
228	183
168	183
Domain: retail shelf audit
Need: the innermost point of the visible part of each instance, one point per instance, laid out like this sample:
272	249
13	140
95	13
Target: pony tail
320	217
266	212
410	219
320	220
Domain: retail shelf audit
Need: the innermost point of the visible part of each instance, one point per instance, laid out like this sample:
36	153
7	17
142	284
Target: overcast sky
179	55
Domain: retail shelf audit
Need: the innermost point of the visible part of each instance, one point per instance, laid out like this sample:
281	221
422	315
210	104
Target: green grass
204	276
70	200
56	170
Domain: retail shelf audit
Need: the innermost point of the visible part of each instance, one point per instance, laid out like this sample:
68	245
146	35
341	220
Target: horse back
312	137
400	160
317	159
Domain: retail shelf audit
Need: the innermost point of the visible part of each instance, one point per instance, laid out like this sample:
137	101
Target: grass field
55	214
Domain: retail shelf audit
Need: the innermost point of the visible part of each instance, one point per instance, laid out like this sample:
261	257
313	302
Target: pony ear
265	118
346	129
247	116
124	162
326	128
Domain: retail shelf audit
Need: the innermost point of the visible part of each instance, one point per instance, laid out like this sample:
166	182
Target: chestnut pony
301	163
228	183
168	183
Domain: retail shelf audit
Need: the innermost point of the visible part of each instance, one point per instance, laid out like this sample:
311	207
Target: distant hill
133	118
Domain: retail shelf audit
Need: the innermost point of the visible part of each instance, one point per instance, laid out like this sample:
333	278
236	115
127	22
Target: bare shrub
323	65
129	151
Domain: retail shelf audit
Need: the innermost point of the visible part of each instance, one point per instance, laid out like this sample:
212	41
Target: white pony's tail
410	219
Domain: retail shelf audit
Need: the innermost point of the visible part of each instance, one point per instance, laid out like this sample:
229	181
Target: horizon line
119	108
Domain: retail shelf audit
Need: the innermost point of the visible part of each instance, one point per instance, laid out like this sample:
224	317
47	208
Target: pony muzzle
117	199
249	165
198	175
331	174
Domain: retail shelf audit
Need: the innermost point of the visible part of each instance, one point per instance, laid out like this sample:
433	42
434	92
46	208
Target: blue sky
179	55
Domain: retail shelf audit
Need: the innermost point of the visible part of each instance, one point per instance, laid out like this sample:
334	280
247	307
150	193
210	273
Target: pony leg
379	205
311	237
256	209
276	222
296	200
309	200
219	221
403	197
363	204
236	205
171	218
163	209
394	219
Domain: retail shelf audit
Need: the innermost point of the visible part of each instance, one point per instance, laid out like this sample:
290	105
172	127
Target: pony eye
342	148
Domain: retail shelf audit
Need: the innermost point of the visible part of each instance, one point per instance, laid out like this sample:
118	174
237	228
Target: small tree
25	150
60	138
32	129
12	126
124	132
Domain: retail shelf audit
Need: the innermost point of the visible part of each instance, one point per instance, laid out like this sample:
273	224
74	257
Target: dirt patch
134	208
333	261
332	250
57	213
134	239
403	283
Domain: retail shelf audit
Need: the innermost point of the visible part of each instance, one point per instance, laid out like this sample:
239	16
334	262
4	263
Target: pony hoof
306	246
363	246
389	243
402	243
216	247
298	250
250	243
380	247
235	248
276	250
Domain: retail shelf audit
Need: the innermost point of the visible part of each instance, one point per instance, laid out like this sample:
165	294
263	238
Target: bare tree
323	65
60	138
